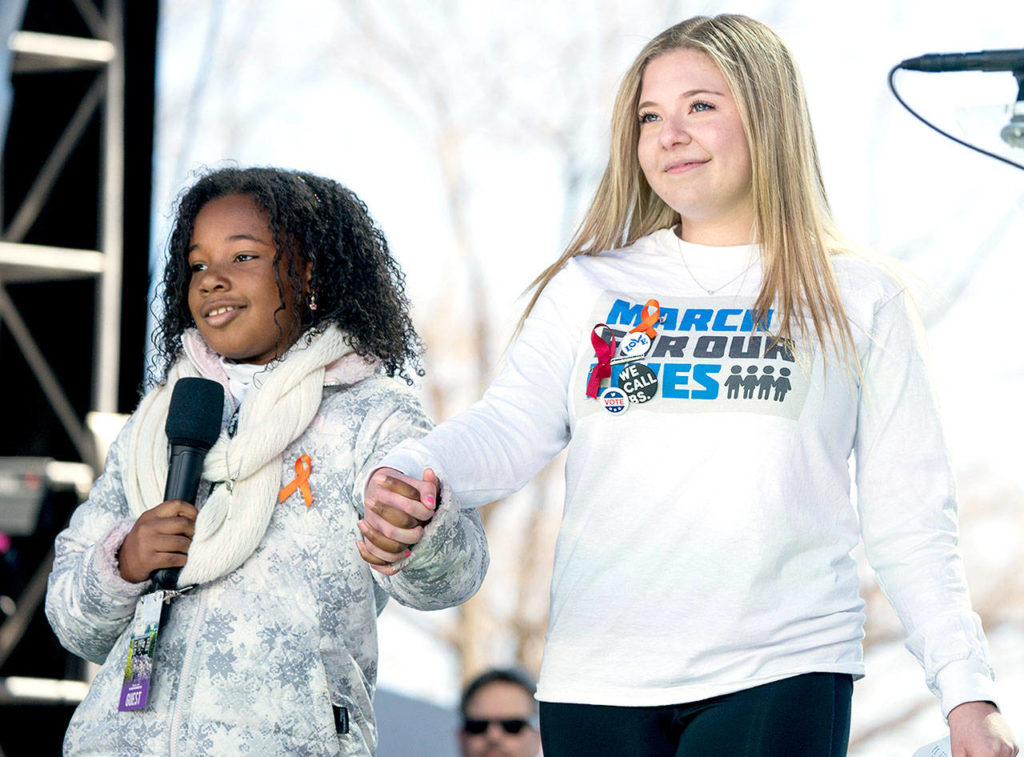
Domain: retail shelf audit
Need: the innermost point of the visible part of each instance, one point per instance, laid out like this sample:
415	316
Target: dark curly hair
356	282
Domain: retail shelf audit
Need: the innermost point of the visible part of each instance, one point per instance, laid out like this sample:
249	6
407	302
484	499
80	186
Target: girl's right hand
397	508
160	538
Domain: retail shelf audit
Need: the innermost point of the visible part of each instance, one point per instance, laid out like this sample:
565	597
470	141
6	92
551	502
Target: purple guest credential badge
138	670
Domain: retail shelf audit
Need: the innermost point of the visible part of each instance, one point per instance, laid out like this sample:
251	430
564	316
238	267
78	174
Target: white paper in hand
940	748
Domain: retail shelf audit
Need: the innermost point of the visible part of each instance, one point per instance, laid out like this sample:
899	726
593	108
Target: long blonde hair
793	222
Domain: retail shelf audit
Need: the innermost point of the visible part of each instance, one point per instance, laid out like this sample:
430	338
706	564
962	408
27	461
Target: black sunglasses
511	725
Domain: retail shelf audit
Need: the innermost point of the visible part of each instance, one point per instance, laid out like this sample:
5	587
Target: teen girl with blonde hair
712	354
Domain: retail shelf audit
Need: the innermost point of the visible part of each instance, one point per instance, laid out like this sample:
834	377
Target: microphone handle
985	60
165	578
183	474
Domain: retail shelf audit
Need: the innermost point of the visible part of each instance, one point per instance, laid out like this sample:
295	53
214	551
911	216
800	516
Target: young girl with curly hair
279	287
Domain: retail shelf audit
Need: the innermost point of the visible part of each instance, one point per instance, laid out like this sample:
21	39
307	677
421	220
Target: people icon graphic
764	384
782	384
750	382
734	382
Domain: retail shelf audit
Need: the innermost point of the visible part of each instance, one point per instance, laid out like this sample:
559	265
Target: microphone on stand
984	60
193	425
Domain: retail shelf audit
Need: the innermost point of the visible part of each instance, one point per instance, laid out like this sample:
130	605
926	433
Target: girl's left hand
977	729
397	508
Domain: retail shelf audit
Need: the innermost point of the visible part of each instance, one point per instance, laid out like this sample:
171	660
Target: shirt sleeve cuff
964	681
446	513
402	460
106	565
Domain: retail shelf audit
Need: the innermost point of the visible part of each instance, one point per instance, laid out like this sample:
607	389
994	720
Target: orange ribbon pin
303	466
648	320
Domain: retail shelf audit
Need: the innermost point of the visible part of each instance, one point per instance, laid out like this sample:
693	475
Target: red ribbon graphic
604	351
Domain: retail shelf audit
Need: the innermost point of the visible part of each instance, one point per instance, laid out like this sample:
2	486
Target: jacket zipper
186	665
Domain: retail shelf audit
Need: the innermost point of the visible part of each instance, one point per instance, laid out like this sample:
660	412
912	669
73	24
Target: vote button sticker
638	382
615	401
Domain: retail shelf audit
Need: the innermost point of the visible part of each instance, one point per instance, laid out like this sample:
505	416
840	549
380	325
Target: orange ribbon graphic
648	322
303	466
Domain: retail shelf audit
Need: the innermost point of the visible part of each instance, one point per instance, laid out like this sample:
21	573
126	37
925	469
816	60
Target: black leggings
807	715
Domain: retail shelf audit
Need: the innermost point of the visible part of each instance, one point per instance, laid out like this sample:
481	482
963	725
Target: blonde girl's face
693	149
233	292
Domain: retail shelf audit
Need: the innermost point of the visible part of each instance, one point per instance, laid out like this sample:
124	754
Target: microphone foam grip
194	415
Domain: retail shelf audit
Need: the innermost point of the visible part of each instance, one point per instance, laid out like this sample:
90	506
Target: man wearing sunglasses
499	716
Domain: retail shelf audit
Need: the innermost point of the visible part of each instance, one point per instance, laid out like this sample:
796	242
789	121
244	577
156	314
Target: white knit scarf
275	412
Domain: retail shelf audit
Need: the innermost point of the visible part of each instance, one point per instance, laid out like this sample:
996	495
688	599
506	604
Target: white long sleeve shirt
706	536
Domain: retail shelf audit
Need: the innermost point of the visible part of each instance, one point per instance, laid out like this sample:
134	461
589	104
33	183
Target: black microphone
985	60
193	425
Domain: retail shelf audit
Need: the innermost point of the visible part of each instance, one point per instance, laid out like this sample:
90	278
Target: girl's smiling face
233	292
693	149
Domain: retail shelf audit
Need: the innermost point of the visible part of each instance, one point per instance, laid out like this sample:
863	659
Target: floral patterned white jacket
279	657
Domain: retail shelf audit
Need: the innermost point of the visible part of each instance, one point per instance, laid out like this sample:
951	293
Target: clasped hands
397	508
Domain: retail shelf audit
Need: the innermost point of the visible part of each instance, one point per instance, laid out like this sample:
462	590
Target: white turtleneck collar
240	377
